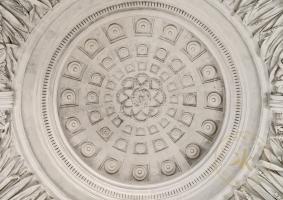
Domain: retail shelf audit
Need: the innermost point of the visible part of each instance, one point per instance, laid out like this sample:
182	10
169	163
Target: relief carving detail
263	20
141	97
17	19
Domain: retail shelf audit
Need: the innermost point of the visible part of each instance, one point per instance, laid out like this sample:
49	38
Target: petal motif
141	116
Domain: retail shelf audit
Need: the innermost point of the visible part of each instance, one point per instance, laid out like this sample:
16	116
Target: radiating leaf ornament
16	182
17	20
264	20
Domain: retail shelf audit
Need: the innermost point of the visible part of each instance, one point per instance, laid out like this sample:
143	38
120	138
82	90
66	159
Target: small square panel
194	49
105	133
96	79
170	33
74	70
190	99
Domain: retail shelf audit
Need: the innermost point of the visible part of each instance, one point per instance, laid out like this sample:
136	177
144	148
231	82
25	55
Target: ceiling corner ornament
141	99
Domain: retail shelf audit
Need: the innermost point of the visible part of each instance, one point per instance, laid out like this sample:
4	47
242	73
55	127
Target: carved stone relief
141	99
140	105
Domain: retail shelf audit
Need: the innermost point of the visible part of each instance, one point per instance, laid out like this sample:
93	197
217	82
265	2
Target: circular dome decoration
139	100
142	93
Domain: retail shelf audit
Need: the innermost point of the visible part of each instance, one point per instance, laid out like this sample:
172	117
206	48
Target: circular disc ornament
128	97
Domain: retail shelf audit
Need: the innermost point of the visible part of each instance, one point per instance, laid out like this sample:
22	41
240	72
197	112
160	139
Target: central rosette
141	97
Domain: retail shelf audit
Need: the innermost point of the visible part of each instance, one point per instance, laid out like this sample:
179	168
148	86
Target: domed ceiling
142	100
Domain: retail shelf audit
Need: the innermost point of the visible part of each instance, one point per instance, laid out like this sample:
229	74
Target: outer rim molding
263	183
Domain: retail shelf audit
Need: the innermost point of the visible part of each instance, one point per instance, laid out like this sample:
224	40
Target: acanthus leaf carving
17	20
16	180
264	20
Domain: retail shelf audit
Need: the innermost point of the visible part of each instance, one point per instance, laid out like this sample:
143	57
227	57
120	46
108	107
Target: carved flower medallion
141	97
